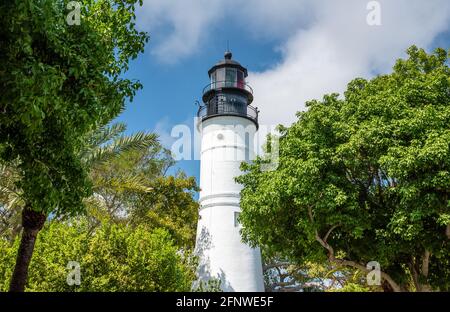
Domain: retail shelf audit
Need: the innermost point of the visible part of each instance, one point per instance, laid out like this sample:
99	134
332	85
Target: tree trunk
419	272
32	223
425	286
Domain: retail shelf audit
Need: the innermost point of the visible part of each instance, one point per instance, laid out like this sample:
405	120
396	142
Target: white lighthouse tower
228	124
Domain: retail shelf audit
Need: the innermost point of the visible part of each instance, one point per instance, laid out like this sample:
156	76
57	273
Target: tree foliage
114	258
59	81
131	185
364	178
170	205
133	196
288	276
134	203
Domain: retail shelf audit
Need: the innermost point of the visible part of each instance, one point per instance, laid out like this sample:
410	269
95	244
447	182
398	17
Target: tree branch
275	265
329	231
332	259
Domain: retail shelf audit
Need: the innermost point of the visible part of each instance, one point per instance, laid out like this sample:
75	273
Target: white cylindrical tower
228	125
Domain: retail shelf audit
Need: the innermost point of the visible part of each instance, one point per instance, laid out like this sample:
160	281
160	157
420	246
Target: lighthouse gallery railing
216	107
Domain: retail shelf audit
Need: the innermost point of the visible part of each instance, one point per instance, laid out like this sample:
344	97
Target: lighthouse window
213	80
230	78
220	77
240	79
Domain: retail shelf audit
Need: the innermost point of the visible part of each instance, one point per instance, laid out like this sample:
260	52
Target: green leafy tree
113	258
171	206
59	82
117	167
288	276
131	185
364	178
100	151
124	169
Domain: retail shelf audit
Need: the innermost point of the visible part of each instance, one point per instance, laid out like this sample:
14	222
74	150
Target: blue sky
170	90
295	50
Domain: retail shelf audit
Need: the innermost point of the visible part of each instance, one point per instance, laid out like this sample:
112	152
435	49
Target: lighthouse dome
227	61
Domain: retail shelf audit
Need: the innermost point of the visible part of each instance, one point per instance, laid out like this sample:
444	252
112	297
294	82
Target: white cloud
187	22
185	25
340	46
325	43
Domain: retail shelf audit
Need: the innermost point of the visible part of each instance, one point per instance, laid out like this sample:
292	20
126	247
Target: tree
130	188
364	178
114	258
100	150
59	82
131	185
171	206
132	197
287	276
116	169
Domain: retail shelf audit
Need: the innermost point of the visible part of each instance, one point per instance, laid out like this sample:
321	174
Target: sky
295	51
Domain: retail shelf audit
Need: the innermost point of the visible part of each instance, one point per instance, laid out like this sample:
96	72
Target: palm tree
101	150
116	164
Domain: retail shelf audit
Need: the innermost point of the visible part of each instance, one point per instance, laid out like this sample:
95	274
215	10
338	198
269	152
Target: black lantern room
228	94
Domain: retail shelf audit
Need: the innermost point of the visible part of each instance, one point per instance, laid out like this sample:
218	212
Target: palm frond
105	134
101	136
136	142
129	182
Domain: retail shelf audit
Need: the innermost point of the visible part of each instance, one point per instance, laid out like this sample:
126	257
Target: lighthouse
228	124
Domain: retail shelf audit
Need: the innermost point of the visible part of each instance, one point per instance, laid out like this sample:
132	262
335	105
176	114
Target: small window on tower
236	219
213	80
240	79
220	77
230	77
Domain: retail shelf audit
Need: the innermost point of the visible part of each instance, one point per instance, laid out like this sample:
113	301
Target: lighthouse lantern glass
240	79
220	77
227	77
213	80
230	77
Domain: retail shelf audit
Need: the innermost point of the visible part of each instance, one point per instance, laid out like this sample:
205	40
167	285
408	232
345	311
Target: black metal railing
227	84
216	108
